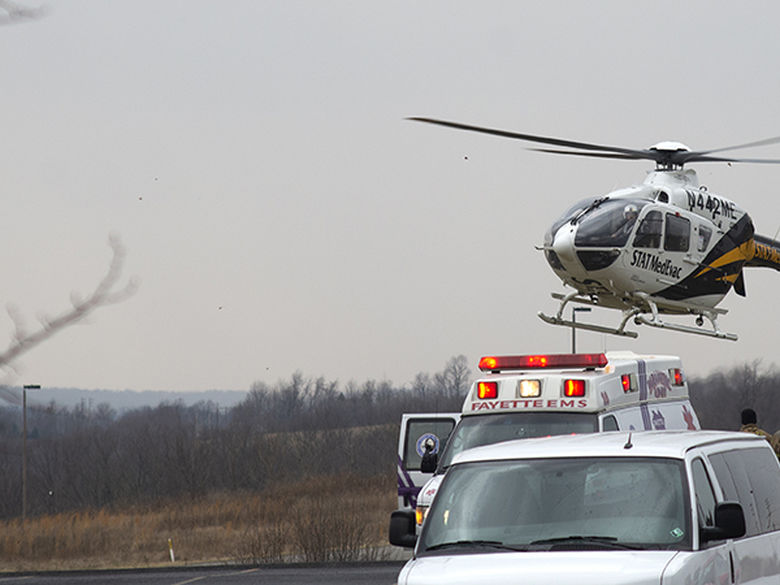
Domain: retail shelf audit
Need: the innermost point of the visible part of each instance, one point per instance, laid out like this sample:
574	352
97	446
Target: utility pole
25	388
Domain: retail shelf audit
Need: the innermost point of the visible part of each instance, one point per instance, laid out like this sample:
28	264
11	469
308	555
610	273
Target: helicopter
667	246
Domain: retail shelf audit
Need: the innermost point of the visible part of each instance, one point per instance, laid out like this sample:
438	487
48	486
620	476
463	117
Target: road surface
383	573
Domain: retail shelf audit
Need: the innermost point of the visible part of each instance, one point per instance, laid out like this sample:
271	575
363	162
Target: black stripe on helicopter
721	268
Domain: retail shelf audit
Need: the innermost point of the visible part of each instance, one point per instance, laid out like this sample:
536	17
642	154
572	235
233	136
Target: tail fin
739	284
767	253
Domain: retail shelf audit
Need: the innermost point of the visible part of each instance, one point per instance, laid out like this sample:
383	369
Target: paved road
354	574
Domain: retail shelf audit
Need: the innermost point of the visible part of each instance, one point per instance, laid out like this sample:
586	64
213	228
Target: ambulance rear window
421	431
475	431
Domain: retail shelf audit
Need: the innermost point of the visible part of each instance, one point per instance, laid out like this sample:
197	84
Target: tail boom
767	253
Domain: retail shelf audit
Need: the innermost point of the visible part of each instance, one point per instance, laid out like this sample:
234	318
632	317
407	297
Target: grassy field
331	518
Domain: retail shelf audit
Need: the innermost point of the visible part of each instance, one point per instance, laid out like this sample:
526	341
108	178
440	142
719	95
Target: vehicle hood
539	568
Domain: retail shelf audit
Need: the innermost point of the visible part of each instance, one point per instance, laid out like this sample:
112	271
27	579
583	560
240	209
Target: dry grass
329	518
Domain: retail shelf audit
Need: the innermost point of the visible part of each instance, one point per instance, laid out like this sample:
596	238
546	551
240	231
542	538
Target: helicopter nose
563	246
561	254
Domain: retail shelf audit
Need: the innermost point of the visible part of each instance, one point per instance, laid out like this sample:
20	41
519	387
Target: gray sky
253	156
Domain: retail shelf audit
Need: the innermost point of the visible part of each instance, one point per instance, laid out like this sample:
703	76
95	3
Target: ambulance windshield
475	431
583	503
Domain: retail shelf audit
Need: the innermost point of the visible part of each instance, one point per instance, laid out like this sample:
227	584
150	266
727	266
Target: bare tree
107	292
456	377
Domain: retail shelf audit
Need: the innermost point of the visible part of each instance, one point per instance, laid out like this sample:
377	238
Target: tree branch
106	293
12	13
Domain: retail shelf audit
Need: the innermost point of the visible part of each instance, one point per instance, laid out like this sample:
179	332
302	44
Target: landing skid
711	314
645	304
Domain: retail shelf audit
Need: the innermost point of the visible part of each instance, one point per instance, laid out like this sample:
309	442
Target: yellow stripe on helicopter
744	252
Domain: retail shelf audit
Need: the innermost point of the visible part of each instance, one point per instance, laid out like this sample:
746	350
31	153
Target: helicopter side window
648	235
705	234
678	233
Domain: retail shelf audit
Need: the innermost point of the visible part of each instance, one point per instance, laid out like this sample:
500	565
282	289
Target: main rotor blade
764	142
592	154
533	138
696	157
662	157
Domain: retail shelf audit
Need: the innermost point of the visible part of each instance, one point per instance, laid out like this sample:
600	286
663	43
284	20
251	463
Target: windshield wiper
596	203
474	543
609	541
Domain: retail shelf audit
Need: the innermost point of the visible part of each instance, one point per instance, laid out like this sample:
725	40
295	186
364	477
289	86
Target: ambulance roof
594	382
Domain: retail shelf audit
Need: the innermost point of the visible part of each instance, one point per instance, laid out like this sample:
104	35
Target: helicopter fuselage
668	237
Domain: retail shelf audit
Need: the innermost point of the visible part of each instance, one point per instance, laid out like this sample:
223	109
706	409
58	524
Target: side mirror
429	462
402	528
729	522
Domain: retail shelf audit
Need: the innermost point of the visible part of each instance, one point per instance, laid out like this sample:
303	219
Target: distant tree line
720	397
85	457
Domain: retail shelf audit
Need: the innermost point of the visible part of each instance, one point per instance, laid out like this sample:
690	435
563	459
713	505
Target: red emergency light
677	377
574	388
554	360
486	390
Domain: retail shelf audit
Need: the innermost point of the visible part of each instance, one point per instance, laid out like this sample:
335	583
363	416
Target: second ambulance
542	395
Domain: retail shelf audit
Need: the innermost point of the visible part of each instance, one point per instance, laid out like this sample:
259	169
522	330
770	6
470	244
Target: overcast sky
280	213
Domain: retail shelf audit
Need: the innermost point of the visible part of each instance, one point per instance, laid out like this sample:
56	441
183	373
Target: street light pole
574	311
25	388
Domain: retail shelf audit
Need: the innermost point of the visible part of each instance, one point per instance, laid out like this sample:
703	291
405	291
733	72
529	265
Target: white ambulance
540	395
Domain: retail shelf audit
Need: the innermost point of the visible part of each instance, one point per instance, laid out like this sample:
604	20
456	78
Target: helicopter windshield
608	224
568	215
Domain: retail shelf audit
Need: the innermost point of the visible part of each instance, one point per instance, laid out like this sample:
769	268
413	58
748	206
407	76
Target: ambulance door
653	416
626	419
674	416
417	431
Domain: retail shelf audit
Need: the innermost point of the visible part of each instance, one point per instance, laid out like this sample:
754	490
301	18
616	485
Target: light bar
553	361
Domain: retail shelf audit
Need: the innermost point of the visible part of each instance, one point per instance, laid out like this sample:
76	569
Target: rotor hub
670	146
669	155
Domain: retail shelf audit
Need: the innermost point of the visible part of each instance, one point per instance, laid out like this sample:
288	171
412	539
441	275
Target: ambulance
525	396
